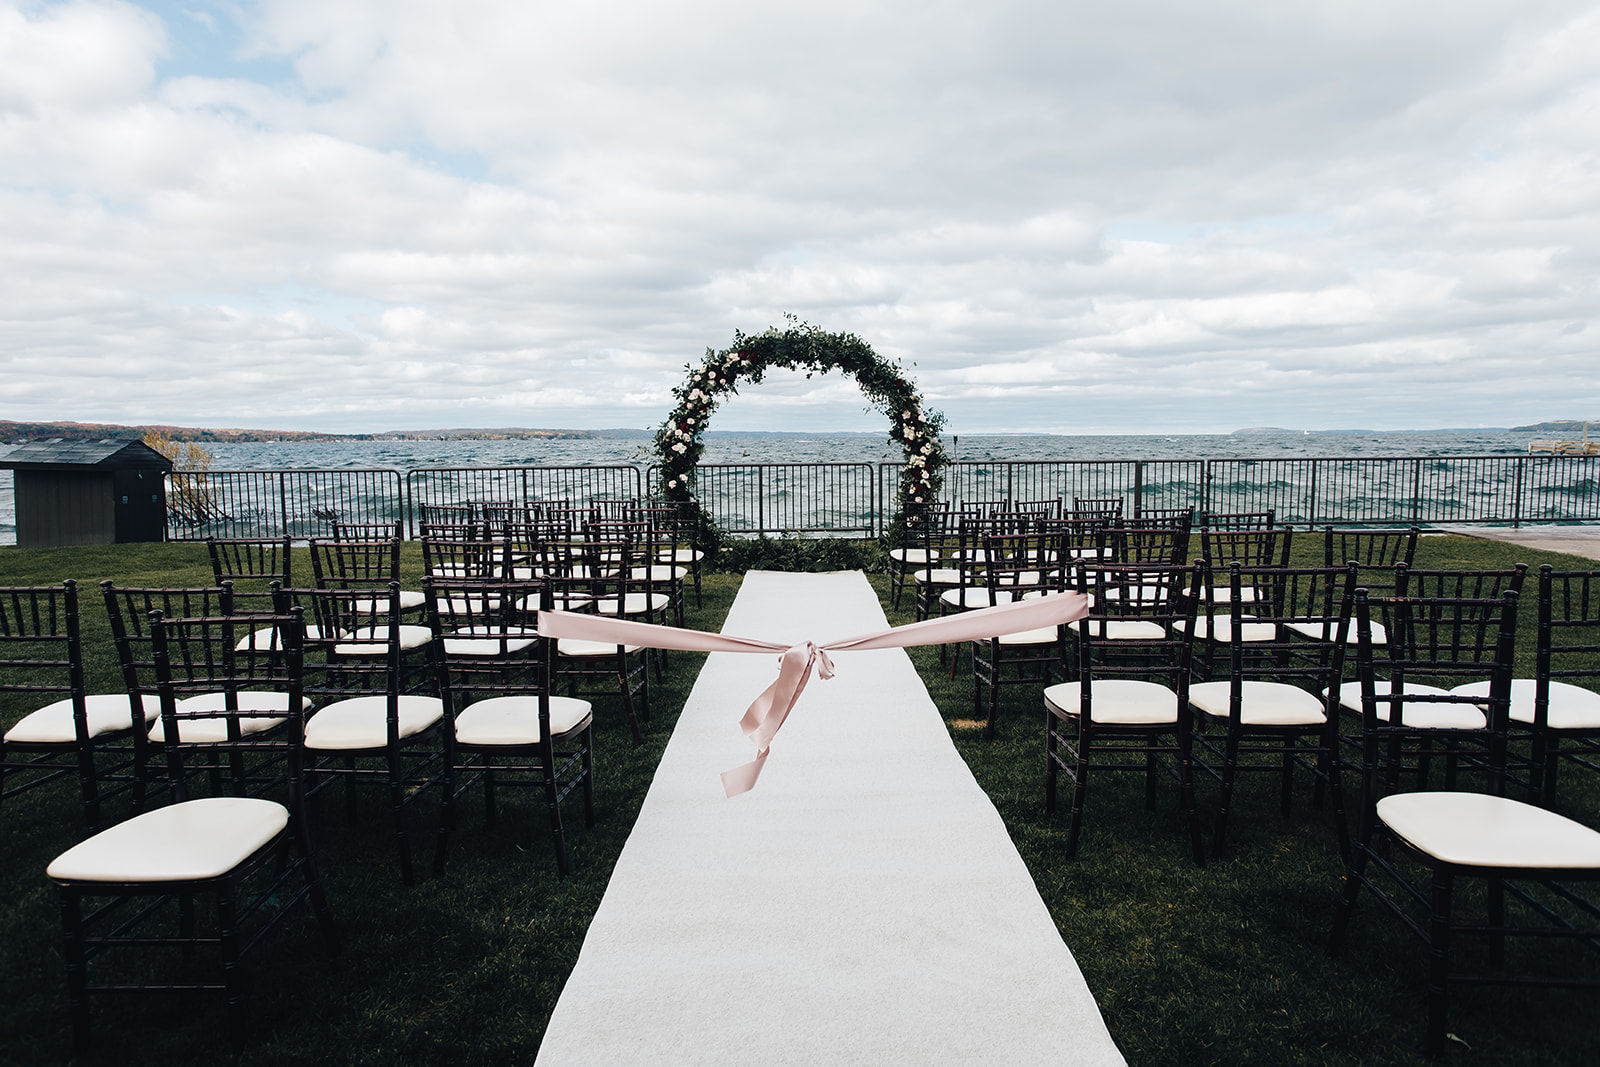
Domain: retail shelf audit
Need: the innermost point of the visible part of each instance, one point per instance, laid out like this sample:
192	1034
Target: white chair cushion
410	637
635	604
1420	716
938	576
1222	627
486	640
1124	701
1121	629
182	842
572	646
105	713
1318	631
913	557
974	597
662	573
200	731
680	555
265	640
515	720
1478	830
1044	635
410	600
362	722
1260	703
1572	707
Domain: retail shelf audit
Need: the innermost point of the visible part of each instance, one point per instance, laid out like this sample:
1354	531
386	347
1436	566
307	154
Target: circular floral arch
801	347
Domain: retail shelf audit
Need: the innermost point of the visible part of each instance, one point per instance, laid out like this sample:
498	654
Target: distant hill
17	432
1557	426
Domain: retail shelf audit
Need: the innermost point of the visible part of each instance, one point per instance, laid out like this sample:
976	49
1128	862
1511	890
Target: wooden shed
88	492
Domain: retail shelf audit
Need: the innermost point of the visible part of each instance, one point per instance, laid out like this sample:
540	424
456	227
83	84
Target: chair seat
1123	701
1478	830
635	604
514	720
1260	703
1044	635
469	606
1220	629
576	648
200	731
1121	629
1421	716
105	713
1572	707
192	840
410	637
410	600
1319	631
681	554
659	573
913	557
489	640
362	722
974	597
265	640
938	576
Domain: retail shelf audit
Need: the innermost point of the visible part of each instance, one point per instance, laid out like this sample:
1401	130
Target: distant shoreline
12	432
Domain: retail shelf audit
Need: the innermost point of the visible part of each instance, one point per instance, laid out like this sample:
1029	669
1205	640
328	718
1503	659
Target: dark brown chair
55	728
251	854
1130	698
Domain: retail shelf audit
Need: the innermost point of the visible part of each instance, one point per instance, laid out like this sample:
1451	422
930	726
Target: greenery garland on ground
801	347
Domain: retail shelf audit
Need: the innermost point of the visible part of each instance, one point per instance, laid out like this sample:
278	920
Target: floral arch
801	347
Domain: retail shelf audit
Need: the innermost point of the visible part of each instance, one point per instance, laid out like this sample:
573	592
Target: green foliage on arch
801	347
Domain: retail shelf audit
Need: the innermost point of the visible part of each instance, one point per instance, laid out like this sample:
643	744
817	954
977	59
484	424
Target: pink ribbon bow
768	711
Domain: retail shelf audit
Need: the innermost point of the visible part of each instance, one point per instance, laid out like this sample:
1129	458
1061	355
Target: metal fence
835	499
296	503
853	499
577	486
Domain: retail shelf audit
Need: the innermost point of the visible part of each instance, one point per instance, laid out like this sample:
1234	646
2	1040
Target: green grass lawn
1221	965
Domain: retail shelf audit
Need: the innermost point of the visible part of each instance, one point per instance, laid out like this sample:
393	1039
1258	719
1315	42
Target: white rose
673	484
680	448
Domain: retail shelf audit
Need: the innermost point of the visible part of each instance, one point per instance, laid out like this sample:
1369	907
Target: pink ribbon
768	711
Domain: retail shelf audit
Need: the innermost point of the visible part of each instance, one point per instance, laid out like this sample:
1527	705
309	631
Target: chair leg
77	968
1230	767
1050	748
1438	959
588	779
232	981
1191	811
397	808
1080	787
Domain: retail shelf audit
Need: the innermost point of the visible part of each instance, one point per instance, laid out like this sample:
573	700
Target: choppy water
737	448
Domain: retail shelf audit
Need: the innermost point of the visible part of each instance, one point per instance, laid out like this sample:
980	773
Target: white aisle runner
863	904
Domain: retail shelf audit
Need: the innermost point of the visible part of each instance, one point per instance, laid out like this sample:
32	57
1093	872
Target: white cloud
497	212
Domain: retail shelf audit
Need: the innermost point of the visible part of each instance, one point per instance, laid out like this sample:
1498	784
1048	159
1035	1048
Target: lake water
742	448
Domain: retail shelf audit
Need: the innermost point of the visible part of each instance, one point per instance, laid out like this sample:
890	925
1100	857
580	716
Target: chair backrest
1568	647
478	560
129	610
357	645
364	531
1164	540
1098	504
1294	630
246	559
487	630
1170	515
355	564
1410	679
1019	563
447	514
41	651
223	697
1375	552
1140	622
1239	520
1484	584
1252	547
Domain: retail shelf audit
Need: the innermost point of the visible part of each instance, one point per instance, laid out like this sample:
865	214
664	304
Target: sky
1062	217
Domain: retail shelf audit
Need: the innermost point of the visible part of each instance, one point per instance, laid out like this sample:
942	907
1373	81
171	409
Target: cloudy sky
1071	217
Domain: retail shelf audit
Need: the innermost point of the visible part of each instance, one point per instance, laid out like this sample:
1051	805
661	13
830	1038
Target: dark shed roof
75	455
